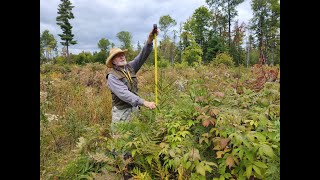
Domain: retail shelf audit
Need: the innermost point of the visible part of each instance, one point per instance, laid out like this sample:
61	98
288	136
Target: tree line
205	35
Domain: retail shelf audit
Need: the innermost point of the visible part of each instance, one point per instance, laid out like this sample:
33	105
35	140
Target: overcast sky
96	19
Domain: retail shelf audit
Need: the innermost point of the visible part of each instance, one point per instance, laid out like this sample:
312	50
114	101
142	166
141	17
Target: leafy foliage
47	44
223	58
204	128
125	38
104	44
192	54
166	22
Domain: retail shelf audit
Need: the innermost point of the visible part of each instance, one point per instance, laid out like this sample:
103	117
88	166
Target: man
122	81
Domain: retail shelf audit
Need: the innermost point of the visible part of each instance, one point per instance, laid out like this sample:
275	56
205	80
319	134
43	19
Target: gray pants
122	114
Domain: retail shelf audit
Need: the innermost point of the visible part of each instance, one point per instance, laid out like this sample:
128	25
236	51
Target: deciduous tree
47	44
103	44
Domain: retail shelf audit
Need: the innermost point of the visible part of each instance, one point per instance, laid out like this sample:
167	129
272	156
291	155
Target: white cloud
244	12
96	19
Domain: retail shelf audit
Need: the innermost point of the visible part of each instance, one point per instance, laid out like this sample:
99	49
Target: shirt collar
119	68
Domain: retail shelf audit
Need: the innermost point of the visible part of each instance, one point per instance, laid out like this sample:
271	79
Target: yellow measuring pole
155	69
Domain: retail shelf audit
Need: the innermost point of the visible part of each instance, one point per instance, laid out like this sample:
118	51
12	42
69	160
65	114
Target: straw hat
112	53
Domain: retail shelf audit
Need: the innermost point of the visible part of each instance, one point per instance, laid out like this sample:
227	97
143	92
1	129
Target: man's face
119	59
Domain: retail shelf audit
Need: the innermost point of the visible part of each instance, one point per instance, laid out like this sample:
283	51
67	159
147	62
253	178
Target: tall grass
72	99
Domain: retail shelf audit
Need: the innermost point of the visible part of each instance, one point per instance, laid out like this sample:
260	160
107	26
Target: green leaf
260	137
247	121
267	150
260	151
242	128
241	154
178	150
212	164
172	153
223	134
260	164
188	164
227	175
170	162
242	177
250	136
249	171
246	143
221	177
249	155
201	140
213	129
183	133
251	123
217	132
185	157
133	152
163	144
222	167
256	169
200	169
207	168
176	161
190	123
234	151
149	159
129	144
217	147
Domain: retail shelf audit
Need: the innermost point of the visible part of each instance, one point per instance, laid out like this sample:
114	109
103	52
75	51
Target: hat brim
109	59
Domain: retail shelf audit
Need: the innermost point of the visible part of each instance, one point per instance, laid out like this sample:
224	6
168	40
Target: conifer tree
65	13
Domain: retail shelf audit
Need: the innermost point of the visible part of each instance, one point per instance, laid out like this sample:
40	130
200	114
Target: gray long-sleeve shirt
119	88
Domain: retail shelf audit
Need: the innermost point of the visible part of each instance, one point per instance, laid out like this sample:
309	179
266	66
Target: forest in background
207	33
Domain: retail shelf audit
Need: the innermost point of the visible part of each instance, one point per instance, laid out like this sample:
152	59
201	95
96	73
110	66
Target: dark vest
133	87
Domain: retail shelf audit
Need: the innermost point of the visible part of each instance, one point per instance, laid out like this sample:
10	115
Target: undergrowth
211	123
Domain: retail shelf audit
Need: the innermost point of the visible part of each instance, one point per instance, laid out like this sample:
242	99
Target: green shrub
223	58
192	54
77	168
163	63
181	65
60	60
